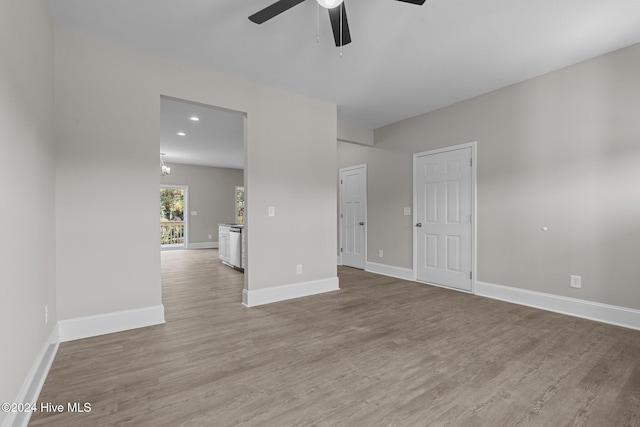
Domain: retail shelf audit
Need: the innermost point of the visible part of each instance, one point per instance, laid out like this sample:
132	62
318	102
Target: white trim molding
179	247
390	270
605	313
107	323
34	381
253	298
203	245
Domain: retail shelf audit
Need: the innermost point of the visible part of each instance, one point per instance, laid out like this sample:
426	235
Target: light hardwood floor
379	352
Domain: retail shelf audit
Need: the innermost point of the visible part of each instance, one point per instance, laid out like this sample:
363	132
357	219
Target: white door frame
473	146
185	211
340	213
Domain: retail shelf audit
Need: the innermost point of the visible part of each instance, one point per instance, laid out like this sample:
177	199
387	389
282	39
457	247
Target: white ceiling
404	60
216	139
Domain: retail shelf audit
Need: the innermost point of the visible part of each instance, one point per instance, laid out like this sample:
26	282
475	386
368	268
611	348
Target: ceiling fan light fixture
329	4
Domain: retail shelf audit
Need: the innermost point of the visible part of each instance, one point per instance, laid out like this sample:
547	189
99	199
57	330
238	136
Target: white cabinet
223	243
231	244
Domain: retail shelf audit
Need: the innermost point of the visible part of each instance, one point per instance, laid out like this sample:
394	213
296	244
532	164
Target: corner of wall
34	380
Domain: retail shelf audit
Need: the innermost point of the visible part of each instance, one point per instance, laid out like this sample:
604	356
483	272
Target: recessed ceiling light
181	134
194	119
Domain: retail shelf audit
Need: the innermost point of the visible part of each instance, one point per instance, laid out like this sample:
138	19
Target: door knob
419	224
361	223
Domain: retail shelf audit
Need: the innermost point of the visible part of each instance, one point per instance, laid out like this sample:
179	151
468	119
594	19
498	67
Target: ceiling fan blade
418	2
334	16
273	10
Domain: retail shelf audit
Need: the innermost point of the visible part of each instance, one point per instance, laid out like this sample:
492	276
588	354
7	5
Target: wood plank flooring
379	352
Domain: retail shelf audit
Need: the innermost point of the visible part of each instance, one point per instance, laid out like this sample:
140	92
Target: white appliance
235	247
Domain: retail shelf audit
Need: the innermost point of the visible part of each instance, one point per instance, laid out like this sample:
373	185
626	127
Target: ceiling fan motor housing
337	15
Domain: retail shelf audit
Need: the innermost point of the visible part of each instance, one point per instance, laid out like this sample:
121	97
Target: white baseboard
107	323
614	315
611	314
389	270
252	298
34	381
203	245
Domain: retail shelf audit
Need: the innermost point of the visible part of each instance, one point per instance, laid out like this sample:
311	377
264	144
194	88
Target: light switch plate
272	211
407	211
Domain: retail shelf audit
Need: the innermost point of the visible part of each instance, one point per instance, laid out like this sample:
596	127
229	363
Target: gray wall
561	151
108	113
27	253
211	194
389	186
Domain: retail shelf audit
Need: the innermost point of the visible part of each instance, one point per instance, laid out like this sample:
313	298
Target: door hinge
341	216
470	162
471	275
340	181
340	249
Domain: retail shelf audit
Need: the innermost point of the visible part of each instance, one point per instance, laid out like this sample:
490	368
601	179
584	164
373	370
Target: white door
443	218
353	193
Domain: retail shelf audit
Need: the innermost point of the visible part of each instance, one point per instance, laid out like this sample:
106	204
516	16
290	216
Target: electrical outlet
380	253
576	281
194	213
210	236
298	268
46	313
407	211
271	211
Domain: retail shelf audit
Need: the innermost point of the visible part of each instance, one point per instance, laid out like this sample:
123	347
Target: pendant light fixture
164	169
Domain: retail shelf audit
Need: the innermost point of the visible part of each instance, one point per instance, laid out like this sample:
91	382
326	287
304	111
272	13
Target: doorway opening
173	225
204	148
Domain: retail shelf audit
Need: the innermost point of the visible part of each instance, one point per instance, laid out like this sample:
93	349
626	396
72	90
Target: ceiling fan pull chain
341	17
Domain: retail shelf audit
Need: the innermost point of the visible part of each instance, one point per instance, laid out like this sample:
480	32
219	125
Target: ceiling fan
337	15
